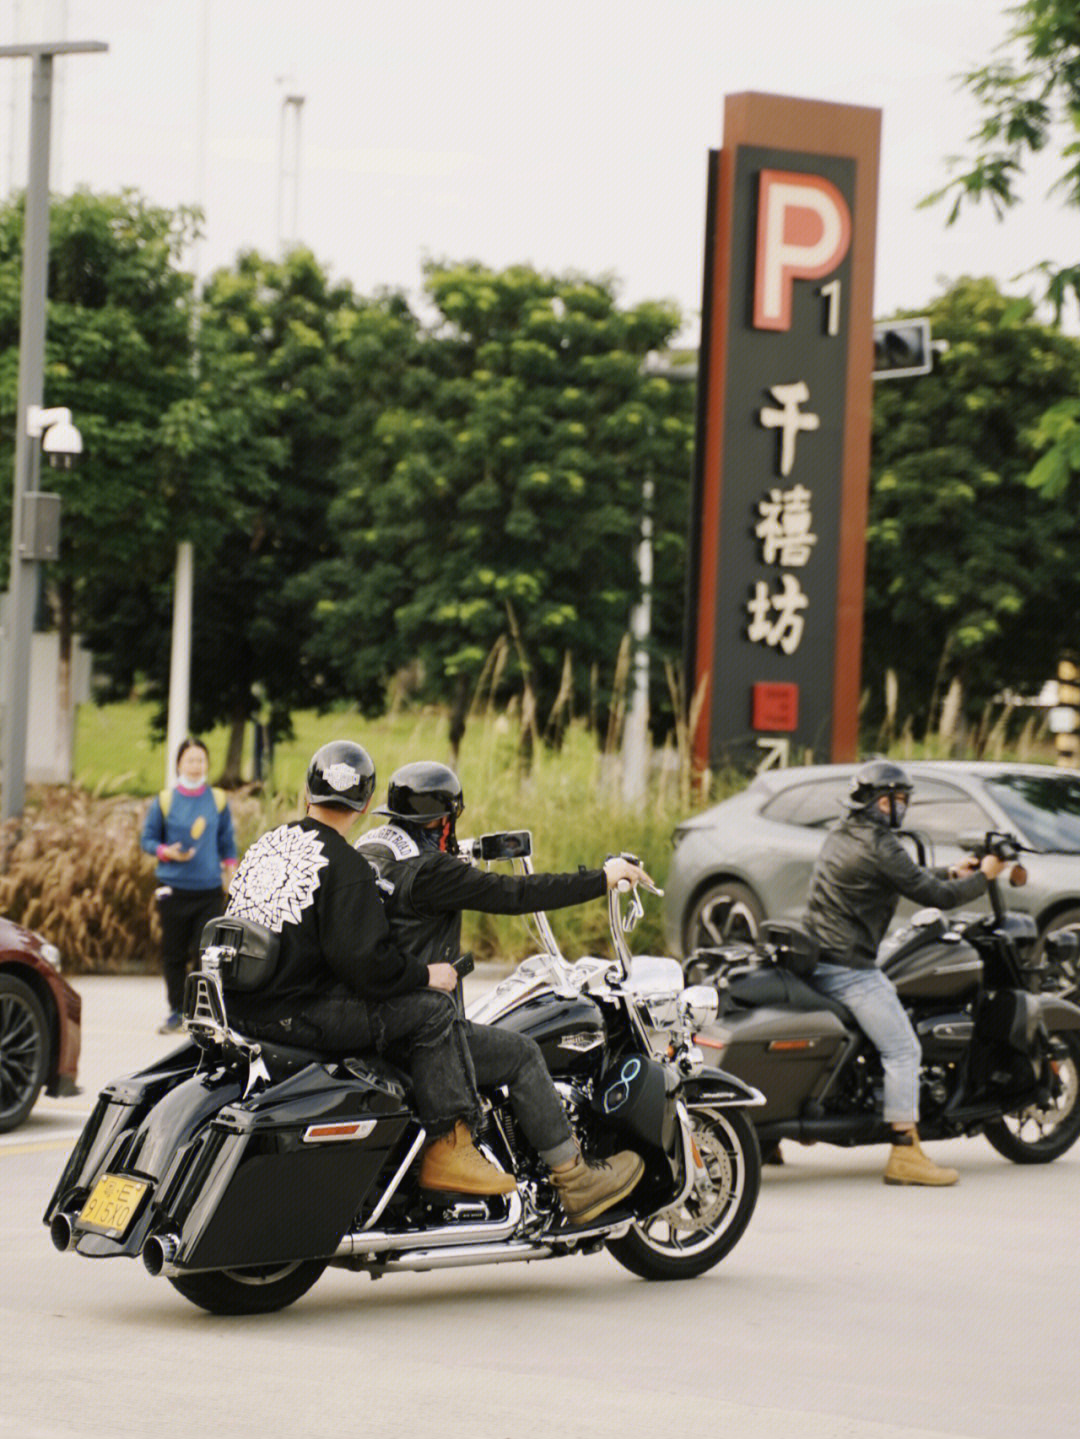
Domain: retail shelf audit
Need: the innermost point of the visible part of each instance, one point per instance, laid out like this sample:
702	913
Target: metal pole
23	584
636	747
180	659
24	573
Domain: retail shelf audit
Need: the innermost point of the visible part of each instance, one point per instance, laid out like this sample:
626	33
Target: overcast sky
571	134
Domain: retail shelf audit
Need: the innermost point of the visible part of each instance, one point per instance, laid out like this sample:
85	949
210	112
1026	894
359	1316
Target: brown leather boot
453	1163
909	1165
589	1186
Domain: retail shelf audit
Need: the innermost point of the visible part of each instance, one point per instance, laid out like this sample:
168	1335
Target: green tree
1030	101
489	517
274	390
119	355
970	574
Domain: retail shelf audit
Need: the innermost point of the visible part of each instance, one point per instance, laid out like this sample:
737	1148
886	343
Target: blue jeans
871	996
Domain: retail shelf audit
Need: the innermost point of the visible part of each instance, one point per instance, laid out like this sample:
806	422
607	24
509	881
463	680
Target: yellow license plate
112	1205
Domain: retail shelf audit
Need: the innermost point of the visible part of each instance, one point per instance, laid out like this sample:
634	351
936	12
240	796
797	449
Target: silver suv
749	858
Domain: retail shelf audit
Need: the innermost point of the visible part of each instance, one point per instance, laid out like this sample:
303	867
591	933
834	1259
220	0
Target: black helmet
424	791
341	774
876	778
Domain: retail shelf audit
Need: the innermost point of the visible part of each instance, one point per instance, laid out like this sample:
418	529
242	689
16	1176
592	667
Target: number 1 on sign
830	293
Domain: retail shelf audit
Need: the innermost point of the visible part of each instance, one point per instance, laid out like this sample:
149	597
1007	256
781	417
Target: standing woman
189	829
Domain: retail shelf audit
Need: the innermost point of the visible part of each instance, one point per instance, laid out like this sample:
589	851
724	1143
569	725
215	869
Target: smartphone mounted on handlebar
506	844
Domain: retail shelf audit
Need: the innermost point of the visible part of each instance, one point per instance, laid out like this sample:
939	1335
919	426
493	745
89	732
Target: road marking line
38	1146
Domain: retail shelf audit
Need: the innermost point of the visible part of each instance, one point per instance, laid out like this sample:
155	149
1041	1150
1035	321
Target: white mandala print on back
278	877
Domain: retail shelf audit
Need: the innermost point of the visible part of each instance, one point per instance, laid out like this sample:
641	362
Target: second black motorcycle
1000	1040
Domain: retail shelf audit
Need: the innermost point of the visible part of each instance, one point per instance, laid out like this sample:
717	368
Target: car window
815	803
1045	807
944	812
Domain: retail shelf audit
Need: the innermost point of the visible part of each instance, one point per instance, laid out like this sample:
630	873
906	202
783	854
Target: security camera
61	443
59	438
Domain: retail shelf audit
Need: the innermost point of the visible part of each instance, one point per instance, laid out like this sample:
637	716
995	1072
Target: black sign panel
782	456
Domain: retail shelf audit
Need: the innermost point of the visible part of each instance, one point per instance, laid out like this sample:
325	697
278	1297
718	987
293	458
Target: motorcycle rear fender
121	1107
716	1089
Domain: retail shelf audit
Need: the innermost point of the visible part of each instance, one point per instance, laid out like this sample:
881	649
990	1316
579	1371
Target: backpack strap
220	798
165	800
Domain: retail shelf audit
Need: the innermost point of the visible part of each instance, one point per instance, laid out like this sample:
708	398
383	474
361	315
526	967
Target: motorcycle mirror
1018	875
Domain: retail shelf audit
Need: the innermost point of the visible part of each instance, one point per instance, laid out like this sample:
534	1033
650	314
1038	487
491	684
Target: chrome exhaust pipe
367	1241
62	1231
158	1253
463	1255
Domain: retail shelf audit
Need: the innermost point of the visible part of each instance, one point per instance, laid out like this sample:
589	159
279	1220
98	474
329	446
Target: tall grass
569	798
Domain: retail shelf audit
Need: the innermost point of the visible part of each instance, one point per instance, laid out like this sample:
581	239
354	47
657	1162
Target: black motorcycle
241	1169
1000	1042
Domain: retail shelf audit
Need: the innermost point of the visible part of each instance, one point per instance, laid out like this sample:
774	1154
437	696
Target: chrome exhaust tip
158	1253
62	1231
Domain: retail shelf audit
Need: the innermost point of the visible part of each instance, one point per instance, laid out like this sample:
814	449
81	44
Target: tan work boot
589	1186
909	1165
454	1163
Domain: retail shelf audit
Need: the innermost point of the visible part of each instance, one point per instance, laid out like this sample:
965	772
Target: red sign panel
775	708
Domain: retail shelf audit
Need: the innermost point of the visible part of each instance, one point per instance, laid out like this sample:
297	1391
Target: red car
40	1024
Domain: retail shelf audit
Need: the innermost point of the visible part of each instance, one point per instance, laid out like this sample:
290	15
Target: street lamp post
22	593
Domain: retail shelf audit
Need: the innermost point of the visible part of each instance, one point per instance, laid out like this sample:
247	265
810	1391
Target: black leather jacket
860	875
425	890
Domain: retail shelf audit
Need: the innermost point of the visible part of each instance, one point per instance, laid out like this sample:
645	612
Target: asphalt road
849	1310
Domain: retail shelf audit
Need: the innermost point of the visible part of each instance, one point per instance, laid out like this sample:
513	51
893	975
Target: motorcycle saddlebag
788	1055
632	1096
280	1175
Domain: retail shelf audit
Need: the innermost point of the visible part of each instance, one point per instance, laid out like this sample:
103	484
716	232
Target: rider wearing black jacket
859	877
426	885
340	984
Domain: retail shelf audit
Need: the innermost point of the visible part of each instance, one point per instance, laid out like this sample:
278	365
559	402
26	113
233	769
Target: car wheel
24	1050
724	911
1068	919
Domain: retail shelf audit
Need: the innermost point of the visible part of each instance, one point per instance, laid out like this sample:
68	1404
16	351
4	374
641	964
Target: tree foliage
1030	101
488	515
970	573
119	355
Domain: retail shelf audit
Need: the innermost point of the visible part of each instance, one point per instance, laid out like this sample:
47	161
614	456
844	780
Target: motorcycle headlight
52	955
699	1004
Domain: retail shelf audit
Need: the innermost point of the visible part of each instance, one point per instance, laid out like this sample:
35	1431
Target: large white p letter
804	230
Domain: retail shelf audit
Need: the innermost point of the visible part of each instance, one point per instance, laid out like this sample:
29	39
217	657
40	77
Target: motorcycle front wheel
1036	1135
683	1242
258	1290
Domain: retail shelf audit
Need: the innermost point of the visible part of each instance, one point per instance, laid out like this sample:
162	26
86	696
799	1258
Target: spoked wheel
258	1290
24	1050
1037	1135
684	1242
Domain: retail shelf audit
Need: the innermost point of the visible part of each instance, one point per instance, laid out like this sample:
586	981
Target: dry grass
72	870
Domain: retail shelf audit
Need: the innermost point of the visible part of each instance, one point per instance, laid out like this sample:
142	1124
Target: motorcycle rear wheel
1037	1136
683	1243
258	1290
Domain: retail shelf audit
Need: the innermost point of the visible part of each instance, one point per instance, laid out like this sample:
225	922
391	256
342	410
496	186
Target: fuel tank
930	963
569	1030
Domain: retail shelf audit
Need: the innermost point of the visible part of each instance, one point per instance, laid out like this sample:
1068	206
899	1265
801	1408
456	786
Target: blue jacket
201	821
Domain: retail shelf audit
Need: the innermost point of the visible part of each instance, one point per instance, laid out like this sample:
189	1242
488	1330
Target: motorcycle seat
772	986
283	1060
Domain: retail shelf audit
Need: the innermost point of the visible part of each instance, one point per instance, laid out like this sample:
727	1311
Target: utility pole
23	585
